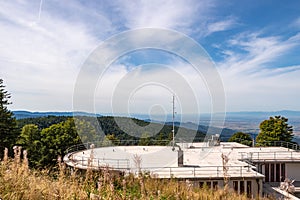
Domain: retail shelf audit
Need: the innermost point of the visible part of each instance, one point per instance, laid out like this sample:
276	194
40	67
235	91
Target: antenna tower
173	118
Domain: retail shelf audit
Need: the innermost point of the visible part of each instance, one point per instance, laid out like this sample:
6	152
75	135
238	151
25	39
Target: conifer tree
8	124
273	130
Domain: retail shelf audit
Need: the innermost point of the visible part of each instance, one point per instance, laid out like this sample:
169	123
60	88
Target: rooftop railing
268	156
86	161
201	171
99	144
165	172
285	144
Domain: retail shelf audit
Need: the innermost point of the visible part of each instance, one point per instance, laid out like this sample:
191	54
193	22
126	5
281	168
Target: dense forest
109	126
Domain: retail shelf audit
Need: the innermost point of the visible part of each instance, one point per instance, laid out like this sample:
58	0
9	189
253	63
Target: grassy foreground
17	181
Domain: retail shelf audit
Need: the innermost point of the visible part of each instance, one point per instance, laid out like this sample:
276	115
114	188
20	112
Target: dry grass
17	181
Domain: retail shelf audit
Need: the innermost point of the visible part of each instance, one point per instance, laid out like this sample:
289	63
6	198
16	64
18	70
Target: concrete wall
293	171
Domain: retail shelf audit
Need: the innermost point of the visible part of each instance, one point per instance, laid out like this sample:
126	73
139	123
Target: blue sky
254	44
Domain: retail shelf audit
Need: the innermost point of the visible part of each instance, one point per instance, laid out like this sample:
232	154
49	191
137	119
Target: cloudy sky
254	45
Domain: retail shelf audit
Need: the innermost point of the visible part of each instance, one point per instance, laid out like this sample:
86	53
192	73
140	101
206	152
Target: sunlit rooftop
198	161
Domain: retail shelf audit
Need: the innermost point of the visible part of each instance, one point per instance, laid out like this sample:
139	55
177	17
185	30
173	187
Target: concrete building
250	170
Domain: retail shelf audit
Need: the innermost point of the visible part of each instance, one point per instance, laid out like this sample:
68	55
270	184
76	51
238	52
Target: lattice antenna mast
173	119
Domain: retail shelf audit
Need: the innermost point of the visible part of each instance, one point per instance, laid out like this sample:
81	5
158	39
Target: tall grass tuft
18	182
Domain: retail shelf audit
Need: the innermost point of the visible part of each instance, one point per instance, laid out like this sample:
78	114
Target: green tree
30	139
8	125
145	139
55	140
110	139
161	139
274	129
242	138
87	131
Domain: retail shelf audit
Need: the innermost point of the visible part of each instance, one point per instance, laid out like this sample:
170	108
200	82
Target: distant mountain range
244	114
27	114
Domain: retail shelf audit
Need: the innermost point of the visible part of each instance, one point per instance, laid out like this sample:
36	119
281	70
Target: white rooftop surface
238	152
161	161
124	156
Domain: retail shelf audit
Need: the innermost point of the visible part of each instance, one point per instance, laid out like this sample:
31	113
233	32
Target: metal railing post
194	172
241	170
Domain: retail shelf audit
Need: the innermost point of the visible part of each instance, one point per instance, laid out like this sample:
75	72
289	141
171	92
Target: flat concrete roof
200	161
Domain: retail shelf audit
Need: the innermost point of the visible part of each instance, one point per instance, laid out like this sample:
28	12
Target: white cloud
174	79
40	59
275	92
253	52
252	78
140	88
221	25
180	15
41	51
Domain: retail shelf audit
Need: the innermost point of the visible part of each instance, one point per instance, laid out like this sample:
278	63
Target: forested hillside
41	122
45	138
